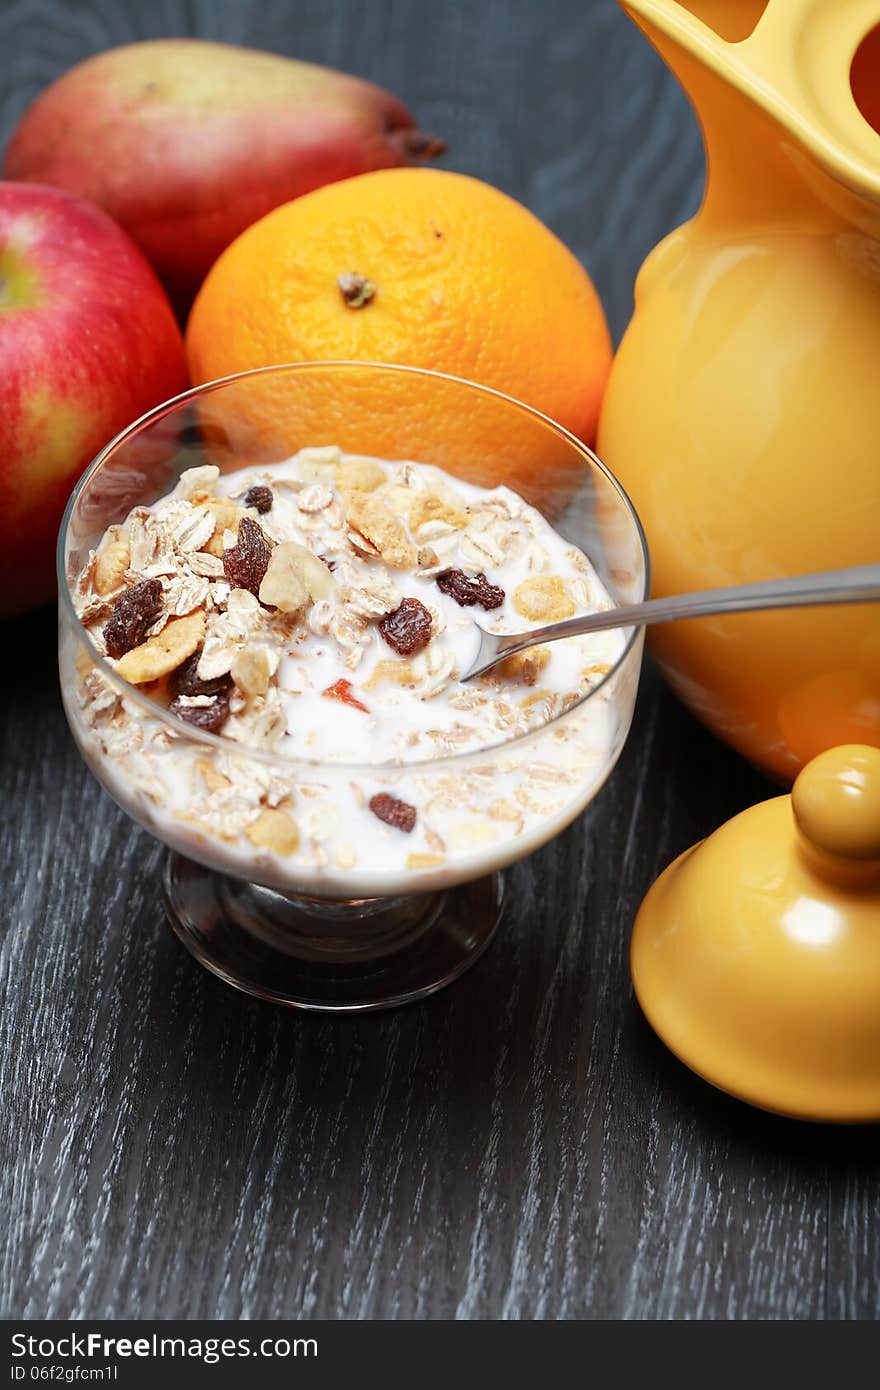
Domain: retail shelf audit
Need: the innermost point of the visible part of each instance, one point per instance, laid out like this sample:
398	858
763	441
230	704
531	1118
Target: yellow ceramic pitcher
743	411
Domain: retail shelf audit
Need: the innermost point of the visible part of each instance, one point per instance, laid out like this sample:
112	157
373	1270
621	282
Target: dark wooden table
521	1145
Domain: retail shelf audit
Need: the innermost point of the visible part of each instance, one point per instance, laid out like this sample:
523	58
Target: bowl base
327	955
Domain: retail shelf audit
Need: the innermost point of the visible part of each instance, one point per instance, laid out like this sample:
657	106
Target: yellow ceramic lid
756	954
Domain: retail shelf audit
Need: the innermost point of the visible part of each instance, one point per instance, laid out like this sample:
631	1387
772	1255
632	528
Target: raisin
132	614
468	589
341	690
208	717
331	564
186	680
393	812
245	564
259	497
408	628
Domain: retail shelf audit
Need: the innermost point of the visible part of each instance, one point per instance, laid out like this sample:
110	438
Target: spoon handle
856	585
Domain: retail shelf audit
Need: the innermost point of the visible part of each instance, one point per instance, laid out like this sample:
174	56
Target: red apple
88	342
186	143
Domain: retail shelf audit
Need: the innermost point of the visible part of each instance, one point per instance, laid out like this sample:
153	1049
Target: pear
186	143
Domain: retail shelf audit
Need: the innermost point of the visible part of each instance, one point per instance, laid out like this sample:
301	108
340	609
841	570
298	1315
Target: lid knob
836	802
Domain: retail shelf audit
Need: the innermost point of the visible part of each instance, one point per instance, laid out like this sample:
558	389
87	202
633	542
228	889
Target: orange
413	266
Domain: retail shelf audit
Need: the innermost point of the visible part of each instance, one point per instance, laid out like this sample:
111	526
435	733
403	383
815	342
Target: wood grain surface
520	1146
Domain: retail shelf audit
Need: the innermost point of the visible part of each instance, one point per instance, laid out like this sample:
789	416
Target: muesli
315	614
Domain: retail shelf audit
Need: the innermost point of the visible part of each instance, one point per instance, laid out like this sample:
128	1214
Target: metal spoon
856	585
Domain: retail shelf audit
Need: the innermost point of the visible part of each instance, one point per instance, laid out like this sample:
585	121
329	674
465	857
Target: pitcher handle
795	63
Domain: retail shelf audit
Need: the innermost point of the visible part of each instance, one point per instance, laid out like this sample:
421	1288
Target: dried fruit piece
293	577
543	599
283	587
525	666
274	830
245	564
342	690
408	629
260	497
111	565
468	589
208	712
359	475
132	614
164	652
187	681
394	812
194	481
314	463
251	670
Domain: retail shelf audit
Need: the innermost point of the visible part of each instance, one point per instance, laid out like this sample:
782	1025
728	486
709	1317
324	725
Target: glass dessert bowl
268	587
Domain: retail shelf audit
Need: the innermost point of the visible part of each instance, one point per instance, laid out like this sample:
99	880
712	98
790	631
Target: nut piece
251	669
274	830
543	599
359	475
382	530
294	577
525	666
111	566
163	653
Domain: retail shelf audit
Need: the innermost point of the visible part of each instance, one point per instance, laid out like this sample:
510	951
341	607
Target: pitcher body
743	410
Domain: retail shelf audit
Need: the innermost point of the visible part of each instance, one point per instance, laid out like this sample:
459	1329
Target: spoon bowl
855	585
